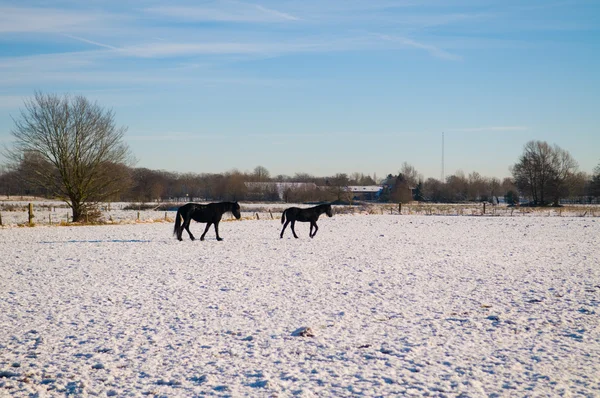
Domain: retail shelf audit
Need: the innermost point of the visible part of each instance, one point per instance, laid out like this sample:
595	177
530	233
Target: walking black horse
210	214
311	215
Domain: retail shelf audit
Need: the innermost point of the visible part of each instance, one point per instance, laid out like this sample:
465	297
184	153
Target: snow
374	305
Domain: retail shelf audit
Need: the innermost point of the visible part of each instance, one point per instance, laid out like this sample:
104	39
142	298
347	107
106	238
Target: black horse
210	214
311	215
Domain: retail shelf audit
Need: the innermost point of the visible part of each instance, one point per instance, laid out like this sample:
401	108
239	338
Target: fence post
271	214
483	208
0	219
400	208
50	218
257	217
165	216
138	218
31	214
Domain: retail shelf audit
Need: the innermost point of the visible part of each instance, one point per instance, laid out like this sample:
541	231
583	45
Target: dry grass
469	209
15	214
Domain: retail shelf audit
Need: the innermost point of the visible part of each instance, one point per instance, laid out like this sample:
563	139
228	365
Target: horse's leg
186	225
316	228
217	231
283	229
293	230
208	224
179	232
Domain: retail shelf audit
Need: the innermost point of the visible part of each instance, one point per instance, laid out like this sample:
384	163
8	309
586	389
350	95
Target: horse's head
235	210
328	211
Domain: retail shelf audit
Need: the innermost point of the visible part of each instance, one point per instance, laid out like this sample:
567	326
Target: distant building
365	192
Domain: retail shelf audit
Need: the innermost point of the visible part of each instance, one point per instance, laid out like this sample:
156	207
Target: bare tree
304	192
434	190
231	186
544	171
148	185
578	186
338	187
9	183
303	177
457	187
357	178
411	175
494	187
70	147
401	191
594	185
476	187
261	174
564	175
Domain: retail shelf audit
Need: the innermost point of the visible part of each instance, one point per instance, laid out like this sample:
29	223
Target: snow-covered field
394	305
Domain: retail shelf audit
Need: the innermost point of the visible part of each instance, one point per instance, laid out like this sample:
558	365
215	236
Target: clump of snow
304	331
397	305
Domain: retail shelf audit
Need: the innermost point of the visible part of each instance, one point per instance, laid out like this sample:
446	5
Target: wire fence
22	213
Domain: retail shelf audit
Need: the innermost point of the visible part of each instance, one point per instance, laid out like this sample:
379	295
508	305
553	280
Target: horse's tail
283	216
177	229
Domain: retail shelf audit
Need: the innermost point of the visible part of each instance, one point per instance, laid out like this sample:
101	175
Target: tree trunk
77	211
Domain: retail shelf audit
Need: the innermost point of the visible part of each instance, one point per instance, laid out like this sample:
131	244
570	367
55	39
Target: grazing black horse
311	215
210	214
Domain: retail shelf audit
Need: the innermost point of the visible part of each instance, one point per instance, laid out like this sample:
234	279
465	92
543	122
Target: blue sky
318	86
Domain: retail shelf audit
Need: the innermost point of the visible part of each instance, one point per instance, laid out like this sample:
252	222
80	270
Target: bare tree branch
71	147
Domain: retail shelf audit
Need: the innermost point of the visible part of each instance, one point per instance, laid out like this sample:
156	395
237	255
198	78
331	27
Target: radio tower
442	156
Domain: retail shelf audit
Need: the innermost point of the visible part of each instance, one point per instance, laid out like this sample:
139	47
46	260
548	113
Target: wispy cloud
223	11
50	20
334	134
244	47
170	49
95	43
431	49
47	62
175	136
181	136
100	67
276	13
430	20
488	129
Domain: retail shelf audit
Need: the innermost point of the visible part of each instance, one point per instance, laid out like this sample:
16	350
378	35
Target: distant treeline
146	185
